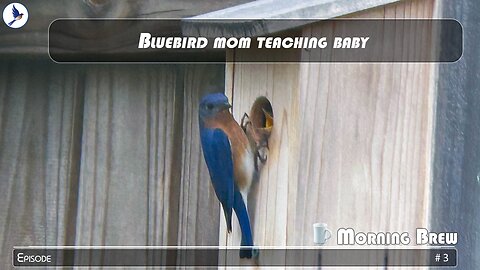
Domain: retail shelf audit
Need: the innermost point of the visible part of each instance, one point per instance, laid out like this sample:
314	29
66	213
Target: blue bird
16	15
230	162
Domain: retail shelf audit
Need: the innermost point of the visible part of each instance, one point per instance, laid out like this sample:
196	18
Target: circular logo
15	15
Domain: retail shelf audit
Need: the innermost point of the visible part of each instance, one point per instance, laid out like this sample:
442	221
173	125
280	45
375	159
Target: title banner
190	41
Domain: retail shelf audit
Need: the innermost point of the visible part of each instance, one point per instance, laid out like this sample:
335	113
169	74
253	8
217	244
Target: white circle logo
15	15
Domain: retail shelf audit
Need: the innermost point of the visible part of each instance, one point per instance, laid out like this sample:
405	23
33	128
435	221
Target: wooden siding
351	144
456	177
104	155
33	38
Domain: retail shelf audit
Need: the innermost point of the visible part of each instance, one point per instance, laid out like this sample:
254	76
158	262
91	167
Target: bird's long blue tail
10	23
244	220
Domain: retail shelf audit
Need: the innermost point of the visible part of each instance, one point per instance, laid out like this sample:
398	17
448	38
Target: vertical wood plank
199	207
456	170
120	139
351	144
113	178
143	180
39	143
268	200
130	136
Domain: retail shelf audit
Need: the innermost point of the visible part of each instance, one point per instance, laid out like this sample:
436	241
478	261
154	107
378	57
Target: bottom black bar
186	256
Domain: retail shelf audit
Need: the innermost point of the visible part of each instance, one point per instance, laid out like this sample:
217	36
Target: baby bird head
212	104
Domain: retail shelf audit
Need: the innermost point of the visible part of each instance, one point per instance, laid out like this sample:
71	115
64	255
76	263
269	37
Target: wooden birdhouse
351	144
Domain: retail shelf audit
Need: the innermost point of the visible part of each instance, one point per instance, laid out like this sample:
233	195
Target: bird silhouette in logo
16	15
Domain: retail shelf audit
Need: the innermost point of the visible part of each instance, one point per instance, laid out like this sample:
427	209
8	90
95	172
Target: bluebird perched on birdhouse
230	161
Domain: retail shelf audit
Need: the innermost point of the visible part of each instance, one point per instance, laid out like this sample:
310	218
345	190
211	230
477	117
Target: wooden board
40	135
32	39
351	144
456	168
142	180
104	155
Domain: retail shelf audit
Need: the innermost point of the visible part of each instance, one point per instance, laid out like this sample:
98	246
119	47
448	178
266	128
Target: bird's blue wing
218	156
15	12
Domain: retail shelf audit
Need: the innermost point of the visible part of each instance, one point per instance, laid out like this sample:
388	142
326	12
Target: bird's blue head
212	104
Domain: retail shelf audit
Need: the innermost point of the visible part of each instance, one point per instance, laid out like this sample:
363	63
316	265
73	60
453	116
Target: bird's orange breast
242	154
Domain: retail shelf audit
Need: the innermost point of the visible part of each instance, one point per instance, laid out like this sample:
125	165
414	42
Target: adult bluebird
230	162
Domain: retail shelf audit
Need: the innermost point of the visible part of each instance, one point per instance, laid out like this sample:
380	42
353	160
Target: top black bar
161	41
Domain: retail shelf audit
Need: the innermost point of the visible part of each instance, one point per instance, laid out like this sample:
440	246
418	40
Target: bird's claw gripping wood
263	158
245	121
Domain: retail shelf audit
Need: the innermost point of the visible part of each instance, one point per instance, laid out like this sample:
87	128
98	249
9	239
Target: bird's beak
268	119
226	106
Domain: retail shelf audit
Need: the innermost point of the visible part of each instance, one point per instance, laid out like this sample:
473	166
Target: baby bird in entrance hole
230	162
258	128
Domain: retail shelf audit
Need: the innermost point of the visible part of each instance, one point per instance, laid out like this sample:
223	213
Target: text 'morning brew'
348	236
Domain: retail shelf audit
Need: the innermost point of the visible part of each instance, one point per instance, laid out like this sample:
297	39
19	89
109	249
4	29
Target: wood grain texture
456	173
351	145
33	39
199	206
266	203
40	123
104	155
269	13
142	178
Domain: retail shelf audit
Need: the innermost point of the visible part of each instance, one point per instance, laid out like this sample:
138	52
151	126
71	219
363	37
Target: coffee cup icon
321	233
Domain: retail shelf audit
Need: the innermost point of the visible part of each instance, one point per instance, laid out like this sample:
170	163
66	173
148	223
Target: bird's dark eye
209	106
